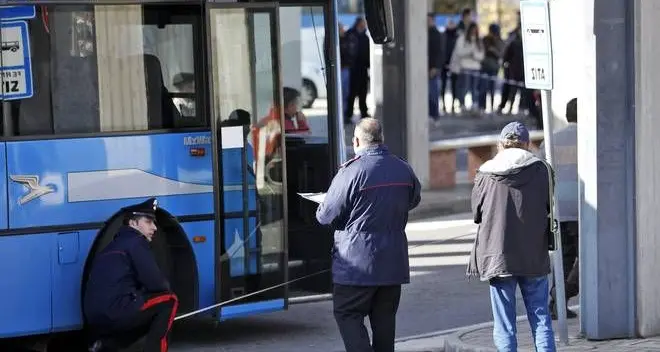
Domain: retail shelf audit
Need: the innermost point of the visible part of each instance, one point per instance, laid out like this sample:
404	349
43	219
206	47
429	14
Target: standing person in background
359	85
436	61
347	52
466	61
566	191
367	204
490	66
514	70
508	90
450	36
466	20
463	25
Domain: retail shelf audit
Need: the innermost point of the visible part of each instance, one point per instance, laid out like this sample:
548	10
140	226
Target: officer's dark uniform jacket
123	273
367	204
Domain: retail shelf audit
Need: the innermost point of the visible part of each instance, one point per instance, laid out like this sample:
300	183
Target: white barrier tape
218	305
183	316
493	78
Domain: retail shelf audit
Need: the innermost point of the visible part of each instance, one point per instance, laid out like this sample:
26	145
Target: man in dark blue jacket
367	205
359	71
127	296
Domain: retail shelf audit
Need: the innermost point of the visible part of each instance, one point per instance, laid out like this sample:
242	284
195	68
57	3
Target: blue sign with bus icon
16	70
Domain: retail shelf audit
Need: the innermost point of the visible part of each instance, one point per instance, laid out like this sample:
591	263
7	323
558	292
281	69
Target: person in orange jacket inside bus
269	128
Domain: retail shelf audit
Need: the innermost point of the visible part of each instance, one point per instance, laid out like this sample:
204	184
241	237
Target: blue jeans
487	89
503	301
434	97
469	83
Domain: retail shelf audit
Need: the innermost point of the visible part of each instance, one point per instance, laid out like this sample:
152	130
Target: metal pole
8	120
334	67
558	259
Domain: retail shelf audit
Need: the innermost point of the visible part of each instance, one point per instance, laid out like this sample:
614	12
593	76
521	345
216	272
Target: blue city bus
108	103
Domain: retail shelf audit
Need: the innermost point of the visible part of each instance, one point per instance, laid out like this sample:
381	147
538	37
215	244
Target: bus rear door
249	163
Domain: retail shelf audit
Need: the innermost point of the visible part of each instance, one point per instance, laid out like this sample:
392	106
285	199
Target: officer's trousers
353	303
154	320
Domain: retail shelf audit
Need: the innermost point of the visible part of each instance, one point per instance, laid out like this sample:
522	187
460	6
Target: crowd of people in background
466	62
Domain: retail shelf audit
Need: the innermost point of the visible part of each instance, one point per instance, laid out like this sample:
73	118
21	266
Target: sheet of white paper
314	197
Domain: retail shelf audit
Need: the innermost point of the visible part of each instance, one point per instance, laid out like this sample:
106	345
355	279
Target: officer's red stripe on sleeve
162	299
393	184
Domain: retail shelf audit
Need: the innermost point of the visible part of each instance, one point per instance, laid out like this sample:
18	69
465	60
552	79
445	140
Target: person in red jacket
295	122
127	296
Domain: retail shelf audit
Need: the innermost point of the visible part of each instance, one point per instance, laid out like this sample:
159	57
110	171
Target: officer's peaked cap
147	208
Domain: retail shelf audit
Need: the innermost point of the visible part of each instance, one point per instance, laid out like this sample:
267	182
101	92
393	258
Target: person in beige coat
466	62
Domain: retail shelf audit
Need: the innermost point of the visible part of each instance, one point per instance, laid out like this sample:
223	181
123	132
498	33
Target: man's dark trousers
358	88
353	303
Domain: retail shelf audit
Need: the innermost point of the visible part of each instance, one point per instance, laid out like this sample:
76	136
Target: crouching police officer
127	296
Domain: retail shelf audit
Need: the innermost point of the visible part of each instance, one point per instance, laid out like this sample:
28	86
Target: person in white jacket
466	62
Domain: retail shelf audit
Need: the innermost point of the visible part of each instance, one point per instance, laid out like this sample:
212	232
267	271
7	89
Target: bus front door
249	163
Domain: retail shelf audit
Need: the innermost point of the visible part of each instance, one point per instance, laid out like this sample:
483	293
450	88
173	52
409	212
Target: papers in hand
314	197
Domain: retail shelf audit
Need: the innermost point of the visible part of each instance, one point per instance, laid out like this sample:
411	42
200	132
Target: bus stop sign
11	13
537	44
16	70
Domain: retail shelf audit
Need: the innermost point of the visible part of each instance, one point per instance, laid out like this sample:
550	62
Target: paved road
439	297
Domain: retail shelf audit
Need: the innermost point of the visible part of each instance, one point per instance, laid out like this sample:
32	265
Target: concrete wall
647	144
417	110
606	168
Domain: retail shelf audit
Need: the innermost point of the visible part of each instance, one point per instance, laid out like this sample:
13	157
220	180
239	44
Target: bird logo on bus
31	182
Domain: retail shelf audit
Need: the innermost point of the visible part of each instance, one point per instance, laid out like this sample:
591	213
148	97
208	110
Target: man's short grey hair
369	131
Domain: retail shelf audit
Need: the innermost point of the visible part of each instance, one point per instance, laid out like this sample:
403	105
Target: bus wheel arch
173	252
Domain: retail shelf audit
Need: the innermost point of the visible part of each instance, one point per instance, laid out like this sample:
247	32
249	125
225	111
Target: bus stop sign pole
537	54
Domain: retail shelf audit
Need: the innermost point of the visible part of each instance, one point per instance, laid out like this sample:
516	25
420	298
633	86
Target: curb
453	342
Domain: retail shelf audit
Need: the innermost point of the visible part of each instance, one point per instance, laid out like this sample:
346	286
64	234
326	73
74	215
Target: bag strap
551	198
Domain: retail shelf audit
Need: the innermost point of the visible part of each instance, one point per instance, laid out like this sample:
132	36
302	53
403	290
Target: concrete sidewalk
479	338
443	202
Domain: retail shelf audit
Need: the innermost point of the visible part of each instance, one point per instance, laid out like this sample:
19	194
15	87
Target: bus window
110	68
